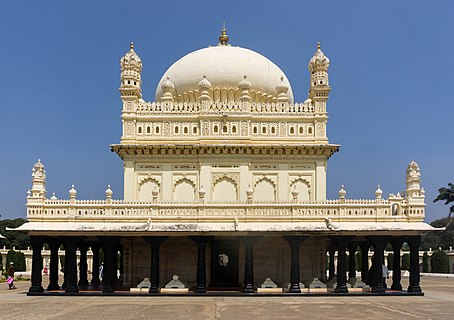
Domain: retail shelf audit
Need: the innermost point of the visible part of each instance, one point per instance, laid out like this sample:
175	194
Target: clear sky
391	75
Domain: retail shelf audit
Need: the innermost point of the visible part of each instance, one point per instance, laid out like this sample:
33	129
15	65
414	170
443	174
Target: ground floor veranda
220	263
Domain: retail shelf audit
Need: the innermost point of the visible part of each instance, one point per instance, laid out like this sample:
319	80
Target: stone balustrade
336	210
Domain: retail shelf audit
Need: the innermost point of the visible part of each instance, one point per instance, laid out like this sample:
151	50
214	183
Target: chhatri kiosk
224	186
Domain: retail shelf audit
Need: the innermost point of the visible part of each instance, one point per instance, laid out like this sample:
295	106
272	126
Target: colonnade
111	246
343	243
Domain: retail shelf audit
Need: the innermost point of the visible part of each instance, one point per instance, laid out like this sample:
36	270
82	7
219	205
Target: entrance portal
224	263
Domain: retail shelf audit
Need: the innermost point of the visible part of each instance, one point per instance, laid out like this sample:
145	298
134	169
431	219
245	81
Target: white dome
224	67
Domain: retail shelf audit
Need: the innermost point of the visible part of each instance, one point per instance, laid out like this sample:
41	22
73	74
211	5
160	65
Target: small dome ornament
378	192
244	86
249	192
342	192
281	90
72	192
109	192
54	197
204	88
204	83
131	60
168	89
295	193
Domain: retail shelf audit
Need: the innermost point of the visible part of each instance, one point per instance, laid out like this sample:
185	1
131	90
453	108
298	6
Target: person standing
10	279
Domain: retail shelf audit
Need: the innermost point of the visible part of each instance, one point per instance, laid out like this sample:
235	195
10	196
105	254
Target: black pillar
352	259
54	245
201	262
364	246
294	242
397	245
65	267
332	252
71	264
378	243
414	243
341	243
248	263
95	247
83	266
36	281
155	244
109	246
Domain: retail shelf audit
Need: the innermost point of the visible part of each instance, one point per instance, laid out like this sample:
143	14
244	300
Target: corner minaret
38	190
319	92
130	80
413	180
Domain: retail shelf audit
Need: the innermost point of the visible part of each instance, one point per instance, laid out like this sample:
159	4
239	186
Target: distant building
224	186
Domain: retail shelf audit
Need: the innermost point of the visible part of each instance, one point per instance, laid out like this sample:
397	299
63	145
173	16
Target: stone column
95	247
341	242
83	266
378	243
397	245
36	281
109	245
364	246
414	243
71	264
201	262
54	245
352	260
294	242
332	252
65	268
248	263
155	244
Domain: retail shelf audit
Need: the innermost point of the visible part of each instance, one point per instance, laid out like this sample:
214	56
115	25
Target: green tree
439	262
13	238
443	239
406	261
16	257
447	195
389	260
425	262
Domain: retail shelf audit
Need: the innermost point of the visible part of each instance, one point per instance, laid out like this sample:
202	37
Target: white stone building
224	185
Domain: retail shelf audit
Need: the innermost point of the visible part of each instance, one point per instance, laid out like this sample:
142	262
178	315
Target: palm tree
447	194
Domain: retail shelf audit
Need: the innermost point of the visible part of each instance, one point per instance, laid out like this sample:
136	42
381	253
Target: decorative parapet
236	107
119	210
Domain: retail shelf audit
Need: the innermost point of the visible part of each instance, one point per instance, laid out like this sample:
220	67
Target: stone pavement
438	303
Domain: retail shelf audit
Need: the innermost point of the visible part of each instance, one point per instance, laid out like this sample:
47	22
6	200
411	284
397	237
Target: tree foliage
443	239
425	262
405	261
389	260
447	195
13	238
439	262
18	258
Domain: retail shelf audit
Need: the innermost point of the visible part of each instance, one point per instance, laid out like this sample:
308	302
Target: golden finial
131	45
318	45
224	38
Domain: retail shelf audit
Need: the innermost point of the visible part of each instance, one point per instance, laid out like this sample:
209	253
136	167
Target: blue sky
391	77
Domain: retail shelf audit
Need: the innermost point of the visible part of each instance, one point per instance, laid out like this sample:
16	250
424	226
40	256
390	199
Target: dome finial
131	45
318	46
224	38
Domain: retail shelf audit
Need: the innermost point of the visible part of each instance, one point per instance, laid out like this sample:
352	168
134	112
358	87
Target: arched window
139	130
292	130
194	130
263	129
255	130
186	130
233	129
273	130
176	130
224	129
148	130
301	130
215	129
156	129
309	130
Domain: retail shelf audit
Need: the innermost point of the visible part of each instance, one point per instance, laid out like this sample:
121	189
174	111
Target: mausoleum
224	187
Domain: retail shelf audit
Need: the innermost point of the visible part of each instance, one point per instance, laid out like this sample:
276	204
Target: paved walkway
438	303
